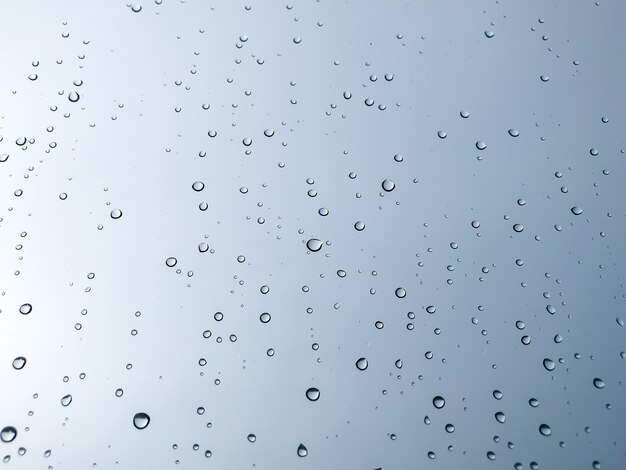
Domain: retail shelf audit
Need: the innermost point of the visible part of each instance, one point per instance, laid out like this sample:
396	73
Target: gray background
133	142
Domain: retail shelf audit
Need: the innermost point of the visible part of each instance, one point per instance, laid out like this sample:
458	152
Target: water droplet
464	114
171	262
66	400
4	157
359	226
25	309
518	228
314	244
513	132
544	78
439	402
549	364
198	186
116	214
489	34
251	438
203	247
480	145
576	210
400	293
388	185
268	132
141	420
500	417
136	8
442	134
545	430
361	363
302	451
73	97
598	383
313	394
19	363
265	317
8	434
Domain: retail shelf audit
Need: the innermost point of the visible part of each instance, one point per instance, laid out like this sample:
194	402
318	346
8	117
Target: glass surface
317	235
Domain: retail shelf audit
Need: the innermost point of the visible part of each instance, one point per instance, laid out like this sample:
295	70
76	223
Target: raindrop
438	402
313	394
171	262
302	451
73	97
116	214
545	430
19	363
549	364
198	186
576	210
141	420
400	293
388	185
513	132
8	434
25	309
500	417
361	363
314	244
598	383
66	400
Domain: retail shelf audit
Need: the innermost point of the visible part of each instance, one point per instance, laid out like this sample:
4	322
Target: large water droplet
313	394
25	309
361	363
302	451
388	185
8	434
66	400
73	97
400	293
116	214
439	402
19	363
141	420
598	383
545	430
171	262
314	244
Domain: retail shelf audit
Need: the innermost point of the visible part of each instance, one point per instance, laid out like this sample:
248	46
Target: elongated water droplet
302	451
314	244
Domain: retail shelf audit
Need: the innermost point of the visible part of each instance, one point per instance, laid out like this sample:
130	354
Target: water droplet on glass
361	363
314	244
598	383
313	394
171	262
8	434
66	400
141	420
116	214
545	430
400	293
388	185
19	363
198	186
302	451
73	97
25	309
439	402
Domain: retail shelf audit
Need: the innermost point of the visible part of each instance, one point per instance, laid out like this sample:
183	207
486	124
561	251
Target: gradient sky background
154	84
